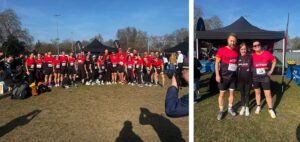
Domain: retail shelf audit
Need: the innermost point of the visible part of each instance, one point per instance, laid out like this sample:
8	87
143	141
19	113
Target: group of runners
236	66
108	68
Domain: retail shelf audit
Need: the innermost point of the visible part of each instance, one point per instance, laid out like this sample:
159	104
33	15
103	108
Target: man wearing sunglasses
261	76
225	68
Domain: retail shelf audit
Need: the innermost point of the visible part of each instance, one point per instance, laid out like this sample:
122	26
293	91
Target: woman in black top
244	77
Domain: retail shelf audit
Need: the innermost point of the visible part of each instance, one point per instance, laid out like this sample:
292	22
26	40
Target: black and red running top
228	62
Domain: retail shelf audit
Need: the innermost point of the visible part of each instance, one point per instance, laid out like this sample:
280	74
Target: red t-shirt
122	61
121	53
261	63
39	63
71	61
63	60
114	61
130	64
228	62
48	59
157	64
80	60
147	64
30	63
56	63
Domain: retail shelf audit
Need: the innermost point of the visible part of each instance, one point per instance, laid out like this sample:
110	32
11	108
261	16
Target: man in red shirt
225	69
261	76
158	69
71	67
114	61
39	69
80	63
48	68
64	60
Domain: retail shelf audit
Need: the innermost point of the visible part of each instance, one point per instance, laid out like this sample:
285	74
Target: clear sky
87	18
265	14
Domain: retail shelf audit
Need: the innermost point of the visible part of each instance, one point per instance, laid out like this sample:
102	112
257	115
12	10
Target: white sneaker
257	110
247	112
87	83
82	81
272	113
150	85
132	84
129	83
242	111
93	83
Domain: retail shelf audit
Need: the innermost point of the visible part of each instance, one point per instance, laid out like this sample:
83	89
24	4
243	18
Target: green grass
285	128
91	113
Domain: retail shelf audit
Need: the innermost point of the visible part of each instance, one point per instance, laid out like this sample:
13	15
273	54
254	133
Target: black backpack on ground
20	91
43	89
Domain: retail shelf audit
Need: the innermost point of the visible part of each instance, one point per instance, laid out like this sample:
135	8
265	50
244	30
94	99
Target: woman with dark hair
48	68
56	70
244	77
130	70
39	69
71	68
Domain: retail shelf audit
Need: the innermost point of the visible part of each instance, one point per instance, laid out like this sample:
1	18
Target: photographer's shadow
20	121
165	129
127	134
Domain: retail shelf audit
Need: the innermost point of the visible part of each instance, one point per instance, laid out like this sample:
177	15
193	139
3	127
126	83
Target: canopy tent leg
283	65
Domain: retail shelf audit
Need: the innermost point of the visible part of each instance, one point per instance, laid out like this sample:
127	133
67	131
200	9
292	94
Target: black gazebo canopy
244	30
96	47
183	47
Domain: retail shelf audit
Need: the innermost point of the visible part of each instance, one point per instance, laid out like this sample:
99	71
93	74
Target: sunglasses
257	45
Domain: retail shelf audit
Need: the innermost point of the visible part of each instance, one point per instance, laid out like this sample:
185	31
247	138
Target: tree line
15	40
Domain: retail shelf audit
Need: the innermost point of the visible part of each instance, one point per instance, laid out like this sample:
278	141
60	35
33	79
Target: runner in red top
158	69
120	52
261	76
56	70
121	68
130	70
101	66
225	69
139	70
114	61
63	59
147	72
48	68
80	62
39	69
71	67
30	67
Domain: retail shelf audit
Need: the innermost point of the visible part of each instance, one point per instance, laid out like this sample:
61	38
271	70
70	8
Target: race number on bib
72	64
137	66
232	67
32	66
129	67
114	65
260	71
96	67
103	67
63	64
121	63
57	66
39	66
50	65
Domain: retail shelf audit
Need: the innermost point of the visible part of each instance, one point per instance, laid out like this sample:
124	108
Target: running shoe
272	113
220	115
242	111
140	85
247	112
257	110
149	84
231	111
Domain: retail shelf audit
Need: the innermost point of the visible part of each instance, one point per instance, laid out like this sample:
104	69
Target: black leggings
95	75
81	72
31	76
244	88
130	76
147	76
39	76
138	76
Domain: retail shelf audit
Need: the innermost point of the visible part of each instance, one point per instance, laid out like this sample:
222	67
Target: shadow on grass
298	133
165	129
127	134
20	121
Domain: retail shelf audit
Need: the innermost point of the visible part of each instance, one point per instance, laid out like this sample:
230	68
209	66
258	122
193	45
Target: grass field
285	128
92	113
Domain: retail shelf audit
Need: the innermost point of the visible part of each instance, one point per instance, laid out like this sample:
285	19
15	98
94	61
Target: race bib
137	66
114	65
39	66
63	64
32	66
135	62
79	61
232	67
96	67
260	71
71	64
121	63
130	67
57	66
103	67
50	65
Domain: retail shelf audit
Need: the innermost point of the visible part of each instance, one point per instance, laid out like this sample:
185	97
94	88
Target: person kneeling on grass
244	78
174	106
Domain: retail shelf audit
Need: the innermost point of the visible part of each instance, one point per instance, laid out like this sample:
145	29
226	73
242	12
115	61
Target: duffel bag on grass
20	91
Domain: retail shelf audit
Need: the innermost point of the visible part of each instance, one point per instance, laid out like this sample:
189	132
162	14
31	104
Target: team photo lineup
88	69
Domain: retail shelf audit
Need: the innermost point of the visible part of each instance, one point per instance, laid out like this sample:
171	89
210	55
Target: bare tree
213	23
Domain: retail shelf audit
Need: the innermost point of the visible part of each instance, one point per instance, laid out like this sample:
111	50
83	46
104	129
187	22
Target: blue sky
87	18
269	15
